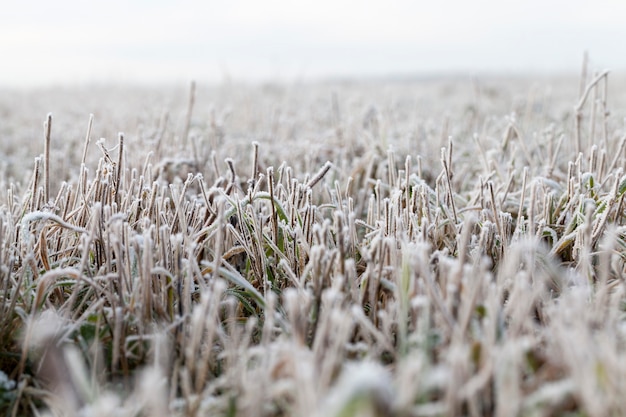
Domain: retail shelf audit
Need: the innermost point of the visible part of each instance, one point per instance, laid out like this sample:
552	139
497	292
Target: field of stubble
441	247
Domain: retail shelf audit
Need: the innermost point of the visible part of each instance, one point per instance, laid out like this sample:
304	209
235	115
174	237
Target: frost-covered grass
431	248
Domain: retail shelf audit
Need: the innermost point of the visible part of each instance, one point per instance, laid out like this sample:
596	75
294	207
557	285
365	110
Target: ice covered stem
320	174
47	127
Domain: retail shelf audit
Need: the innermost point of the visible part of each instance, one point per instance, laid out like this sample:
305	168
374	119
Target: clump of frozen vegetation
415	249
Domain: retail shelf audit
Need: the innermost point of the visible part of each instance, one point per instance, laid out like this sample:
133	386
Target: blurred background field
411	115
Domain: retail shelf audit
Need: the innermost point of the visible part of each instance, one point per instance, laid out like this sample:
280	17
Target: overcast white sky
70	41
